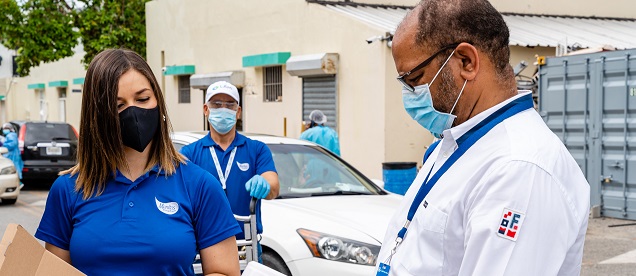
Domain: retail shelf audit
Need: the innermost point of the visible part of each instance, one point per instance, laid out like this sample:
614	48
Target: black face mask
138	126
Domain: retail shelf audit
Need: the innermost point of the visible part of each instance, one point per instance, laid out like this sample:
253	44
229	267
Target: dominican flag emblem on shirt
510	224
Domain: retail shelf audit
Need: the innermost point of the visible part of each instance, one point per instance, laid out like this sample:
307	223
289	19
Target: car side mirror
3	150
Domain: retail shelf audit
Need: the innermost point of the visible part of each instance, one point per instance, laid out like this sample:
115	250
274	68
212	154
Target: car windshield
305	171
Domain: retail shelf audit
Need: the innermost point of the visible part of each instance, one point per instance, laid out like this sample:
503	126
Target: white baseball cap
222	87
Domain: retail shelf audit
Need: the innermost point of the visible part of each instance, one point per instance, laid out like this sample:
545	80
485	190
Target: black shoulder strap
430	150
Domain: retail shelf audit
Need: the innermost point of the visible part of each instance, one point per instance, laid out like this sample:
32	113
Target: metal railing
248	247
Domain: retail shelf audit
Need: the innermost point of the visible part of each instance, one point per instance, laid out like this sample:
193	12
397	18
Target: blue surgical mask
6	131
222	119
419	105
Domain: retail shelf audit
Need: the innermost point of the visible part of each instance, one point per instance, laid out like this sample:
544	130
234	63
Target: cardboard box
22	254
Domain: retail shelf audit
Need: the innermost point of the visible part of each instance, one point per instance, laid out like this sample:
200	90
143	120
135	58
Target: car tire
9	201
273	261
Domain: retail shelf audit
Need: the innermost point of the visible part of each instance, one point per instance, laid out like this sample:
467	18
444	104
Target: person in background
133	205
12	145
499	194
316	173
320	134
244	167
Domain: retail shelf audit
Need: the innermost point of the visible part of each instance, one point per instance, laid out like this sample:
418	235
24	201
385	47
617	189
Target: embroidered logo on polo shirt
243	166
510	224
169	208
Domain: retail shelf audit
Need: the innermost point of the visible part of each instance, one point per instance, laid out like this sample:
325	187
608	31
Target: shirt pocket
426	250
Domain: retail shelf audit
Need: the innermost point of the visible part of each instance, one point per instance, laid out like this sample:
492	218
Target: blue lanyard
464	143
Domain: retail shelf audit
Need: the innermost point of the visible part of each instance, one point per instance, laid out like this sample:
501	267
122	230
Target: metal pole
565	100
625	126
585	116
163	77
601	125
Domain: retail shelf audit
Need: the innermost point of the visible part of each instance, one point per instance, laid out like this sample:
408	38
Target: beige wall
24	104
215	35
183	116
389	2
372	124
269	117
518	53
610	8
403	135
366	77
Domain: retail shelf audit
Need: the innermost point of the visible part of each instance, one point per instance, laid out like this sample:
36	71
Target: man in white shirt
499	194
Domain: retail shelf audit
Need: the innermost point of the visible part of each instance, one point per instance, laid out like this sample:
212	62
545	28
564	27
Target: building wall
6	72
613	8
529	54
270	117
215	35
373	125
406	140
6	65
24	104
218	44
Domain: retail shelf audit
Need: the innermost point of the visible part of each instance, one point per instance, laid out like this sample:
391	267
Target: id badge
383	270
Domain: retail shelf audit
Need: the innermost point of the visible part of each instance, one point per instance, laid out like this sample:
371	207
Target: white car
9	180
329	219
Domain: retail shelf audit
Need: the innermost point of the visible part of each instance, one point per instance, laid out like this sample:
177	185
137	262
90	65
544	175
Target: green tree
10	14
112	24
48	30
40	30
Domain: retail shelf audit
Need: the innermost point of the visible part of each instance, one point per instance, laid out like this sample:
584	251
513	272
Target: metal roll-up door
320	93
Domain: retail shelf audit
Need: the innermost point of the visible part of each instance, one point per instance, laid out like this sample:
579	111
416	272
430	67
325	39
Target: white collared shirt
521	168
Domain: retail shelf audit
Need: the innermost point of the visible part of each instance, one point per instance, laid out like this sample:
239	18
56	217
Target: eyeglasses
219	104
422	65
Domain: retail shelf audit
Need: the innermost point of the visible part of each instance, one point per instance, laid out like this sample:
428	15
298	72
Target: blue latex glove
258	187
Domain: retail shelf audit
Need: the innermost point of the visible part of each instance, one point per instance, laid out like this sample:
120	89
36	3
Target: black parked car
47	148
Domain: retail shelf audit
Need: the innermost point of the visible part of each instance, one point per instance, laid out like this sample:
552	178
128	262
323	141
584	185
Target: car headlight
8	170
339	249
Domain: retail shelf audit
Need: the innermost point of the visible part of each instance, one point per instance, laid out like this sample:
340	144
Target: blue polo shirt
152	226
251	158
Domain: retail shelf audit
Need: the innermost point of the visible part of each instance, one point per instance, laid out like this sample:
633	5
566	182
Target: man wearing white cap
244	167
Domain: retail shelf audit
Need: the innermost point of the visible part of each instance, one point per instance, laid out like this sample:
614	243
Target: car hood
337	215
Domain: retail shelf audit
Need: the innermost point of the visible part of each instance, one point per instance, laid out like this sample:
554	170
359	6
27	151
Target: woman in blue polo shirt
132	205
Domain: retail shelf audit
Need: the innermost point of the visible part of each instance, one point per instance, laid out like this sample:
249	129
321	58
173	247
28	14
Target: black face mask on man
138	126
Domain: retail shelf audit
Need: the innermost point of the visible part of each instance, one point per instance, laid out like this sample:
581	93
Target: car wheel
9	201
273	261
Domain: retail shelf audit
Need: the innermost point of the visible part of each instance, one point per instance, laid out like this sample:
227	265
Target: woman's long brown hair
100	151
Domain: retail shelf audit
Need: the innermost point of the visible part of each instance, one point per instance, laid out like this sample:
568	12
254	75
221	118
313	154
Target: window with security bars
273	84
184	89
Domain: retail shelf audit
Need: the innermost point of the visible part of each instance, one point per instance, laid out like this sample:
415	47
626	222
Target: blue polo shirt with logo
152	226
251	158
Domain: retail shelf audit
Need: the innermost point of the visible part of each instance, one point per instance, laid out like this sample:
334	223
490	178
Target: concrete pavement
610	250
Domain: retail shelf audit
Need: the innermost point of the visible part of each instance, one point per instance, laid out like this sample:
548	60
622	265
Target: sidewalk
610	250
